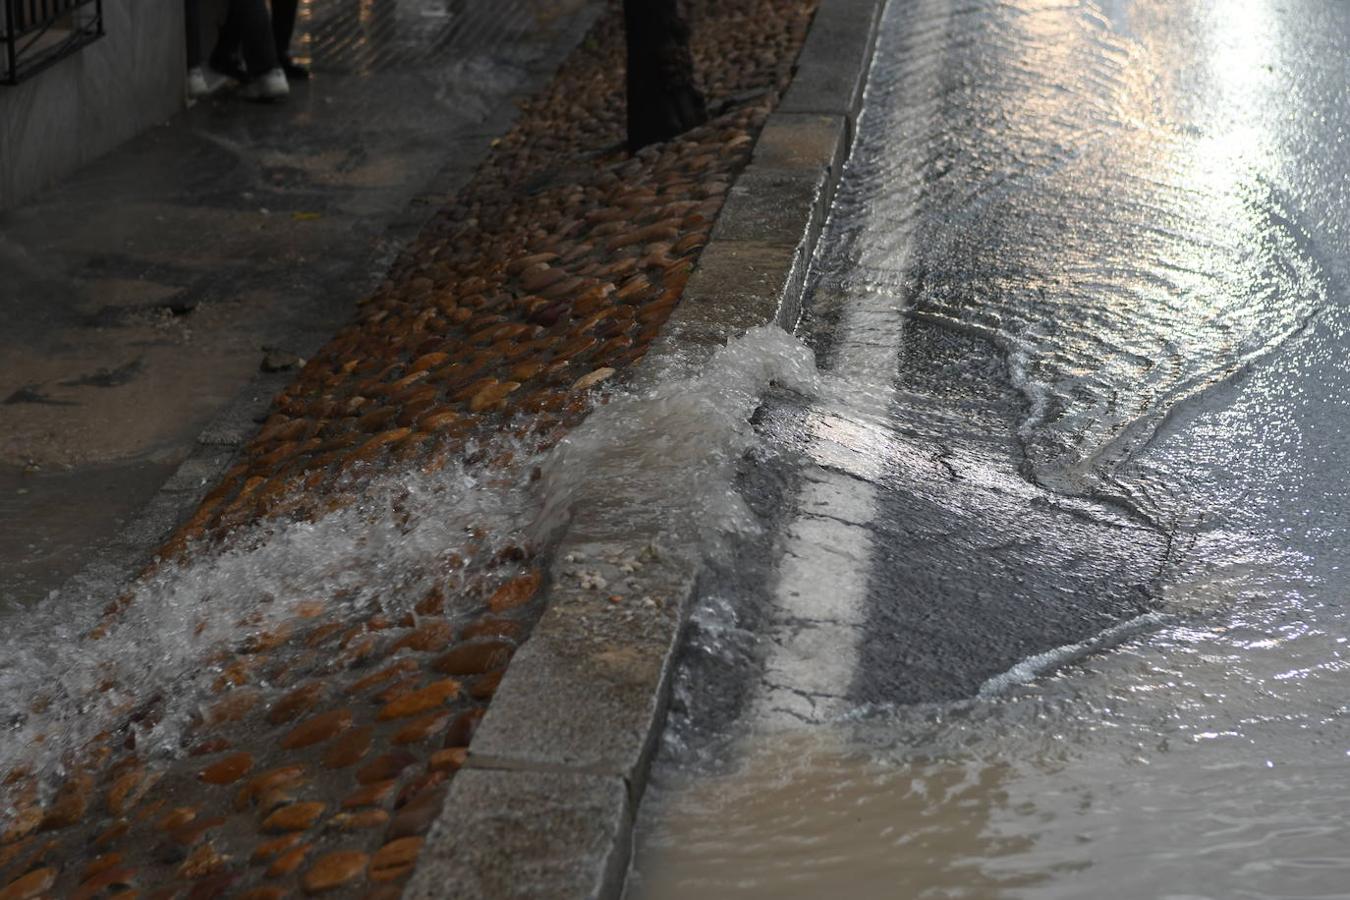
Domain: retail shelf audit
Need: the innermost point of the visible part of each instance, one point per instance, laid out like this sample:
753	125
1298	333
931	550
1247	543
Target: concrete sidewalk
140	297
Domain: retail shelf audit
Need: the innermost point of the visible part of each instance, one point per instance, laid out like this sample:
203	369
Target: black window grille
36	33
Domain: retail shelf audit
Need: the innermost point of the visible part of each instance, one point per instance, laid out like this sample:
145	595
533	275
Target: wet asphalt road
1051	597
1085	288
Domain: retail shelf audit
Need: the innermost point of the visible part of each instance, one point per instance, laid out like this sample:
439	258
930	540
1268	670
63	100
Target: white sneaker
196	83
269	86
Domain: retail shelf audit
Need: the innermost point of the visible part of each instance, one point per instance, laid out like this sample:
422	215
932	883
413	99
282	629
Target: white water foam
674	449
404	535
675	446
1031	668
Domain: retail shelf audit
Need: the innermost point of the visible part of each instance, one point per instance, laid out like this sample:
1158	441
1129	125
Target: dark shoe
294	71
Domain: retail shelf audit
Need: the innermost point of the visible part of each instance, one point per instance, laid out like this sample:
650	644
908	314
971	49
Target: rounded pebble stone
268	849
393	873
294	817
372	794
228	770
417	816
516	592
94	886
492	626
121	790
421	700
398	852
484	687
268	781
293	704
99	863
385	766
421	729
362	818
69	804
348	749
317	729
475	657
333	870
289	861
427	637
450	759
177	817
34	884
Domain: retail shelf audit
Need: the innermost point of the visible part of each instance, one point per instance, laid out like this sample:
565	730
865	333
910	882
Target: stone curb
545	805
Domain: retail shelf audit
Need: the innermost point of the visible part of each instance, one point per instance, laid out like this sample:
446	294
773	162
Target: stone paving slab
584	693
832	68
768	206
803	141
744	283
507	843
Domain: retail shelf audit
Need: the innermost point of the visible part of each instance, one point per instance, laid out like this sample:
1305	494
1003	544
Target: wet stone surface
143	294
306	743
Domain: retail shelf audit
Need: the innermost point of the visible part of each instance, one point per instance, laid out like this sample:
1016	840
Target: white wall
87	104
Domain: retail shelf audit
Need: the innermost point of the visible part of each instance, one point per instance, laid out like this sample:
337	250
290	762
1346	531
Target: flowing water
184	624
1036	589
1049	596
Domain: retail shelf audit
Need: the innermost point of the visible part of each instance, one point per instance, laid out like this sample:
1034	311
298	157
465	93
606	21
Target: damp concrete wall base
94	100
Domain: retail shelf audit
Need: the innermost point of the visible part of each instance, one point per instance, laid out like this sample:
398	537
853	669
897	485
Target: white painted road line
820	596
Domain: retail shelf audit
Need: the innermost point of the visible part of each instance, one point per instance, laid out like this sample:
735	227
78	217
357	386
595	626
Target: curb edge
576	720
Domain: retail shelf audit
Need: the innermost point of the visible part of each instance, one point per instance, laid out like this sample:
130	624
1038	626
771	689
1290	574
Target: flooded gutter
544	805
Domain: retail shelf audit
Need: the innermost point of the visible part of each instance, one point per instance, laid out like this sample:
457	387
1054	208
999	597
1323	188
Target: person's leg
266	80
255	31
225	56
283	30
197	86
283	24
192	17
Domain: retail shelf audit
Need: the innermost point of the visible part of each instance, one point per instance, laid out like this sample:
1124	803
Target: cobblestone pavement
322	747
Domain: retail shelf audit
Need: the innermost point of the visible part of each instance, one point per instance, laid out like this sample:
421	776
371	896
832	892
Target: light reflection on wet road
1085	285
364	36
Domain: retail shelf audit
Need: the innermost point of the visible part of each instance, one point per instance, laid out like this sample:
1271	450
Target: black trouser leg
227	43
260	50
192	17
283	26
247	23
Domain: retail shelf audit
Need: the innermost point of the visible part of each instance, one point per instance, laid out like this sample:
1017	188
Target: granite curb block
545	804
527	834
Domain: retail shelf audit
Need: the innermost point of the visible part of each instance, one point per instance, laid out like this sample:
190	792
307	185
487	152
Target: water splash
404	534
670	453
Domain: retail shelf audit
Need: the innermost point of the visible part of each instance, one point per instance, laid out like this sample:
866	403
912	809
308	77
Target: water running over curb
402	536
